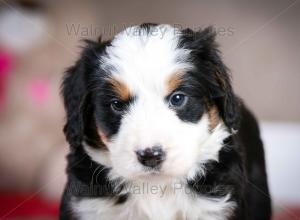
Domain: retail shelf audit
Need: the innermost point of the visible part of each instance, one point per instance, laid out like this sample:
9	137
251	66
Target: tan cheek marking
221	80
174	81
103	137
121	90
213	115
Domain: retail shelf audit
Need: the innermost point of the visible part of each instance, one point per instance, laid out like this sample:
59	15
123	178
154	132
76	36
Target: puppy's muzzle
151	157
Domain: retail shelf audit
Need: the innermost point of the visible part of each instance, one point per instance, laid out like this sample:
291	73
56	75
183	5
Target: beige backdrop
260	41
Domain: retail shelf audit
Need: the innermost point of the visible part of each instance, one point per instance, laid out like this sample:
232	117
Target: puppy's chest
164	206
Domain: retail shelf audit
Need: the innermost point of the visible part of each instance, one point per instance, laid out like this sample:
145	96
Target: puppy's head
152	102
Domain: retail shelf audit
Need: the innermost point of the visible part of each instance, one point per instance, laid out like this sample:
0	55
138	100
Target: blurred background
260	41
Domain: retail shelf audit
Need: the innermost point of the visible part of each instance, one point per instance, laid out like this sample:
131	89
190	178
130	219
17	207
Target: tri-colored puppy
156	132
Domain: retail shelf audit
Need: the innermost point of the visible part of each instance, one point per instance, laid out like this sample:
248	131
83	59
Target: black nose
151	157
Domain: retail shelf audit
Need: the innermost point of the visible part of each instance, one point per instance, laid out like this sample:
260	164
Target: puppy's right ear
76	91
73	92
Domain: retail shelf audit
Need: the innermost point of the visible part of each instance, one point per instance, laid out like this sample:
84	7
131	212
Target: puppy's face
156	103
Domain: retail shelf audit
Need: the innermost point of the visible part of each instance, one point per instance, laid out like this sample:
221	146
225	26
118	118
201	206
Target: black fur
241	166
211	74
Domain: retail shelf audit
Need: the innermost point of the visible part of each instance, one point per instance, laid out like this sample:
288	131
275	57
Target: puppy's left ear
216	76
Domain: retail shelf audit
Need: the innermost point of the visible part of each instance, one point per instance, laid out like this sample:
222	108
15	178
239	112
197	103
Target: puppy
156	132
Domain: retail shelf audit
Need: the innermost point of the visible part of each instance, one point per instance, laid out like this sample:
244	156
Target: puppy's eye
117	106
177	100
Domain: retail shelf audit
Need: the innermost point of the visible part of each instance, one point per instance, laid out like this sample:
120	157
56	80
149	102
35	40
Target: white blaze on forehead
144	60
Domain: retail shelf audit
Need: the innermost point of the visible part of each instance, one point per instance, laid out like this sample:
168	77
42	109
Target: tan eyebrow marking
121	90
213	115
174	81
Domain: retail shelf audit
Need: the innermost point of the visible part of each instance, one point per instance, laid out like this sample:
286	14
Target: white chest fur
166	204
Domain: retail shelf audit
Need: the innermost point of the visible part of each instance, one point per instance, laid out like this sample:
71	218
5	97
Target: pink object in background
38	91
6	63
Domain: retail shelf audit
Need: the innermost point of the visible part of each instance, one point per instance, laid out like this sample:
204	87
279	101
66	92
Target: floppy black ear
74	91
76	95
215	75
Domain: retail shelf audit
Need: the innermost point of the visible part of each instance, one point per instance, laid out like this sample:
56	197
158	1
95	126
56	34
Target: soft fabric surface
15	206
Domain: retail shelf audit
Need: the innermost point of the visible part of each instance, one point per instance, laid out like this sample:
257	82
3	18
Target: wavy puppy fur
150	121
